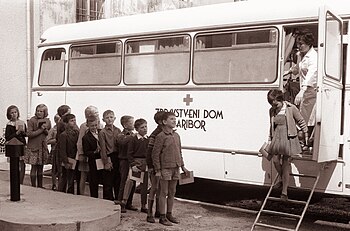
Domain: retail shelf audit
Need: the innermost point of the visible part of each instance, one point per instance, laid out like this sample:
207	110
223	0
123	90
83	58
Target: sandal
284	197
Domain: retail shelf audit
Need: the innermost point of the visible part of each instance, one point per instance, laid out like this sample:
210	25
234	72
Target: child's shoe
172	219
164	221
144	210
150	219
131	207
284	197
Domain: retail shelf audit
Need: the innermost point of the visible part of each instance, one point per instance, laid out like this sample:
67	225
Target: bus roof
195	18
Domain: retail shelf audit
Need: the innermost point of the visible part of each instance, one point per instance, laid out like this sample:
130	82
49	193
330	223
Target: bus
212	66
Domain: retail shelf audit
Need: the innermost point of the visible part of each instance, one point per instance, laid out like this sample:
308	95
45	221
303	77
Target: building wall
55	12
130	7
13	58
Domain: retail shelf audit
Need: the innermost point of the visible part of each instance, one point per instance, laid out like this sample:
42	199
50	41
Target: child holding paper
16	128
68	150
167	160
137	150
91	150
37	151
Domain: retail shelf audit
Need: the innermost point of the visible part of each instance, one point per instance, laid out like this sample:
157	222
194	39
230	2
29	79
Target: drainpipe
29	34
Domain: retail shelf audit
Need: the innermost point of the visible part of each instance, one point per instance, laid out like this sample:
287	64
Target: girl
283	138
51	140
16	128
37	151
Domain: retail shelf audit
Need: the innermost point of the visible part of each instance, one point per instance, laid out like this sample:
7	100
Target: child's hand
187	173
108	166
44	126
68	165
158	173
135	169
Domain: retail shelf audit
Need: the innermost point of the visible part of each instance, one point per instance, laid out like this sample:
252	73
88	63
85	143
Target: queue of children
104	155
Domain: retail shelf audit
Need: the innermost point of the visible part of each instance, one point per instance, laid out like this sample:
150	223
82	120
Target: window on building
88	10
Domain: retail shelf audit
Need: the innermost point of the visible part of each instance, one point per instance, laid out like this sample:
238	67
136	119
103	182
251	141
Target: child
154	179
16	128
167	158
91	150
37	151
61	126
137	149
51	140
91	113
68	149
123	139
108	143
283	135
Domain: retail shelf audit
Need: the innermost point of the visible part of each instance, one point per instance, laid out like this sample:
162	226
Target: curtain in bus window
52	67
96	64
157	61
236	57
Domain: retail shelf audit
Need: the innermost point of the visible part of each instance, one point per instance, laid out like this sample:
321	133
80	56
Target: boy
68	148
137	149
123	139
154	179
107	138
91	113
91	150
167	158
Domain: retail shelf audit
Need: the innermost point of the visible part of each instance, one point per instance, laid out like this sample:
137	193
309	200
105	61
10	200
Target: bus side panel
205	119
52	99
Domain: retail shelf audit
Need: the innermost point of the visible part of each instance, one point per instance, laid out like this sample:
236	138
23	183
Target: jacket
167	150
293	117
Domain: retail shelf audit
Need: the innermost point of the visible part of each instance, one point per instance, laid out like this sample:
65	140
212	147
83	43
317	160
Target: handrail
224	150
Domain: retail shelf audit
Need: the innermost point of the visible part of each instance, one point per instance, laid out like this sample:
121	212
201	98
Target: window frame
148	38
120	55
236	47
86	12
64	67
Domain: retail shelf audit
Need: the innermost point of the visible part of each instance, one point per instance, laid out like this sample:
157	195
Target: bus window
52	67
236	57
333	47
157	61
95	64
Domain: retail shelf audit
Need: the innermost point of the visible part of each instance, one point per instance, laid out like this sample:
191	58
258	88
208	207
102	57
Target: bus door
49	79
329	87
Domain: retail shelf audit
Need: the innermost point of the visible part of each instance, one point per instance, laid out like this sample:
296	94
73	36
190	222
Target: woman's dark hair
275	95
8	115
306	36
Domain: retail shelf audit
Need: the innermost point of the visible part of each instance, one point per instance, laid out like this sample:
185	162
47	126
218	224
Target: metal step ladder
282	214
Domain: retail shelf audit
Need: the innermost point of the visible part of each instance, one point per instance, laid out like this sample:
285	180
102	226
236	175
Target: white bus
212	66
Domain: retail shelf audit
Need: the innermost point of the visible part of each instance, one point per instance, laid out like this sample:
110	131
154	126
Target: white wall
13	58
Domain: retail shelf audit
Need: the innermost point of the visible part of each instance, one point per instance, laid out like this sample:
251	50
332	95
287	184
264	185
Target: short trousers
170	173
